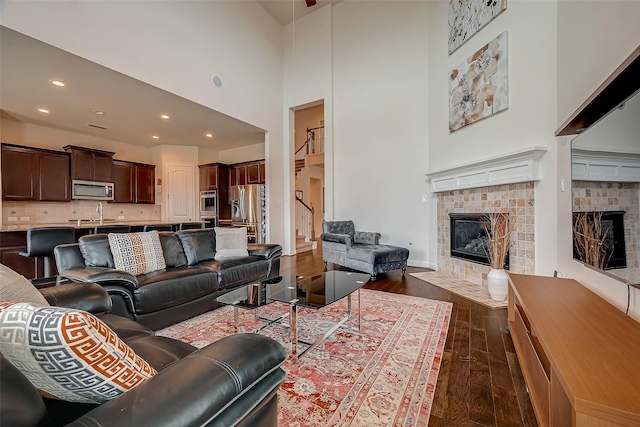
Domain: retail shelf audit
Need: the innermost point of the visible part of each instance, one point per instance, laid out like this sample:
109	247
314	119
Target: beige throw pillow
14	287
231	242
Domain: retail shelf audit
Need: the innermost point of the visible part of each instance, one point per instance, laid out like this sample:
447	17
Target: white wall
243	154
308	70
530	119
179	46
594	38
381	121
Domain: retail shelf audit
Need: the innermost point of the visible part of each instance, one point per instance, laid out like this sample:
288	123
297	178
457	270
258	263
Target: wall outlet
12	218
120	216
24	218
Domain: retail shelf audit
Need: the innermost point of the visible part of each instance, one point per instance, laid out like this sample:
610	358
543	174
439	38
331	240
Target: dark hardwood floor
480	381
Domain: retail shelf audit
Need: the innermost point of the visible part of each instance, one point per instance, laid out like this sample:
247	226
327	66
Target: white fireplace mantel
510	168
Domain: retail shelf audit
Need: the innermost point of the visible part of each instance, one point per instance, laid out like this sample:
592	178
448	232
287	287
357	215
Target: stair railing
305	223
314	143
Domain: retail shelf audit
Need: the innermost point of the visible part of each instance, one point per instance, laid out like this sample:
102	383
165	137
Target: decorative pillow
69	354
137	253
231	242
15	287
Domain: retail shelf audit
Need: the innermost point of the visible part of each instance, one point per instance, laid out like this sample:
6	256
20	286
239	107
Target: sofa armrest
337	238
265	250
102	276
200	389
80	296
367	237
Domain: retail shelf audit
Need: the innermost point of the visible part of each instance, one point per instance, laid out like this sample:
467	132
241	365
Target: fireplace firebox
468	239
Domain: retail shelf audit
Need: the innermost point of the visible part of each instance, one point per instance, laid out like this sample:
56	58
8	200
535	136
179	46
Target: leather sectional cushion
96	251
199	245
171	287
172	249
233	272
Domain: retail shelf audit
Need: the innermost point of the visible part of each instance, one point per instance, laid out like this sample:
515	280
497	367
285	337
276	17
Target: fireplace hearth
468	240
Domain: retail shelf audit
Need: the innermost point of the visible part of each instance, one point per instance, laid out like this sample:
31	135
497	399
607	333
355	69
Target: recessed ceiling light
208	135
43	110
155	137
98	112
164	116
217	81
57	83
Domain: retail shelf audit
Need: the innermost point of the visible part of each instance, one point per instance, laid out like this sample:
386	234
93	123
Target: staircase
310	153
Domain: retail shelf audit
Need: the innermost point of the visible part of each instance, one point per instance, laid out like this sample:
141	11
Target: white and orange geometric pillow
69	354
137	253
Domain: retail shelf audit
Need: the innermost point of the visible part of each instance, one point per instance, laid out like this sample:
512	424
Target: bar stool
112	229
41	241
190	226
159	227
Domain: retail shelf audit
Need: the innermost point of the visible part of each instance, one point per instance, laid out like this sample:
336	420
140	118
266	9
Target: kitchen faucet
99	210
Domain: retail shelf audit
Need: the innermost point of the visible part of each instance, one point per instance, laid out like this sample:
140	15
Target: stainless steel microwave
91	190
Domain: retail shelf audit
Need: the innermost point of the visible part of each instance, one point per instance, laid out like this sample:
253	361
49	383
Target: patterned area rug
469	290
383	376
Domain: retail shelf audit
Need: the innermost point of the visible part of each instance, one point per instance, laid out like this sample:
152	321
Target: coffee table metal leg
235	317
293	324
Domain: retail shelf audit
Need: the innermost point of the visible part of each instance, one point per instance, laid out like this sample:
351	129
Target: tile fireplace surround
517	199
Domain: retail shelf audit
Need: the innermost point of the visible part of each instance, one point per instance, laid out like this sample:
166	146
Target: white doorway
180	193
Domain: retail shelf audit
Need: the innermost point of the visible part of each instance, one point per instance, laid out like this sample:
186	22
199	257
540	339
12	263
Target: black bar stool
190	226
159	227
112	229
41	241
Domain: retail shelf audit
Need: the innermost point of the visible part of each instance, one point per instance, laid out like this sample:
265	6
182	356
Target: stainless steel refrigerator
248	209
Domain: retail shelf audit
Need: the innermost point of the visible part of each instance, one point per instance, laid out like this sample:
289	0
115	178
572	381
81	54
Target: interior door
180	193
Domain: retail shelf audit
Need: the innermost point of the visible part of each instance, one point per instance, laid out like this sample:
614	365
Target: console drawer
533	370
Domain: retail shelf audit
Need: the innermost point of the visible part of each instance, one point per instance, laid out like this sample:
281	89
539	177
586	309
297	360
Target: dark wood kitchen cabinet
19	173
90	165
133	182
53	179
11	244
32	174
145	183
208	176
123	181
247	173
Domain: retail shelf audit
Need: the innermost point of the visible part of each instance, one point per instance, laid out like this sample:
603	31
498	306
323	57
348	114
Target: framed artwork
479	87
467	17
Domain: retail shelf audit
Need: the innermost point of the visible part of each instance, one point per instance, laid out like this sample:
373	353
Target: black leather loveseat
188	286
231	382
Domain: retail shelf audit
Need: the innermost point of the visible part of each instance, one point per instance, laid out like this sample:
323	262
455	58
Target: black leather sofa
188	286
232	382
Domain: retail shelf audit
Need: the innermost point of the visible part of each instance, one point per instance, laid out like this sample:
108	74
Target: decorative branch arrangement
498	229
590	240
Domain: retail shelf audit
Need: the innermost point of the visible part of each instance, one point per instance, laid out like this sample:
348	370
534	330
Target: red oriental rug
383	376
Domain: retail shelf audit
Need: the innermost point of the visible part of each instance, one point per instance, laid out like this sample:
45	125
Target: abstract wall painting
479	87
467	17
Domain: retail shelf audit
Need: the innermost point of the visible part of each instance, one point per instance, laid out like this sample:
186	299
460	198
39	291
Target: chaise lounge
360	250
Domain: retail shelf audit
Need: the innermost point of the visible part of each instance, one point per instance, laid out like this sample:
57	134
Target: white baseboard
421	263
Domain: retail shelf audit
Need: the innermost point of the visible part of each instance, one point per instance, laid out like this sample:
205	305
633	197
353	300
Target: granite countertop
7	227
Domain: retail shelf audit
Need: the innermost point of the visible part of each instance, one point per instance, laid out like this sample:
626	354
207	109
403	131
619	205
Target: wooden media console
580	355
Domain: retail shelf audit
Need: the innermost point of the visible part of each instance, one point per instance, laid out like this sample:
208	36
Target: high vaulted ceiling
132	108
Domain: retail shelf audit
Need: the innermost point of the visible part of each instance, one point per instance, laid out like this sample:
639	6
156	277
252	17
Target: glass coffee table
312	292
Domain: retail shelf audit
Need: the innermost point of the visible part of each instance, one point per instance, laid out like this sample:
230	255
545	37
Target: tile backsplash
14	213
